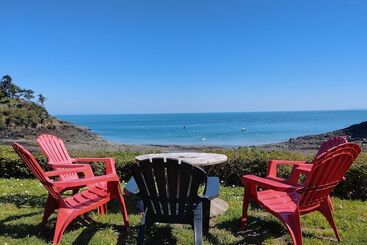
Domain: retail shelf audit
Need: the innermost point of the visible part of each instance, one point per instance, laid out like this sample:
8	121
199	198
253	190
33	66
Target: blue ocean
223	129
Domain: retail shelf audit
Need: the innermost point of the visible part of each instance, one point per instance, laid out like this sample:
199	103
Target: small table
218	206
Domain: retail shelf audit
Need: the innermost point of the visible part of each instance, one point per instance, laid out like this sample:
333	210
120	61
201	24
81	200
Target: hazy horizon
218	112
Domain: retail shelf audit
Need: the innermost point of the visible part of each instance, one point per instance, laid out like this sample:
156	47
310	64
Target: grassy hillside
17	115
19	111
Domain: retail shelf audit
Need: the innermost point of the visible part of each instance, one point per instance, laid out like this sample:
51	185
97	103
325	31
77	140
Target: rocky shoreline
356	133
82	139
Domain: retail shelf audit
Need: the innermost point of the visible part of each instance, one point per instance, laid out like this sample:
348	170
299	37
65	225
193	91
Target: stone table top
194	158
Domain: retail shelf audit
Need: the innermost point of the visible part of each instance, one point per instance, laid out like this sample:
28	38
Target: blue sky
187	56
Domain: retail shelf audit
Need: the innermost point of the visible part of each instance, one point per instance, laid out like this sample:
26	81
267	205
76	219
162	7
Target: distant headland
356	133
23	116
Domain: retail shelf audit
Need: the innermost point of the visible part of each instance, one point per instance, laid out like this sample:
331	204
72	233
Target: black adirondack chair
169	190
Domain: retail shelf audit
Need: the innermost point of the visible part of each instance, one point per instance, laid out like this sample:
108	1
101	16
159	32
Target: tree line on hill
9	90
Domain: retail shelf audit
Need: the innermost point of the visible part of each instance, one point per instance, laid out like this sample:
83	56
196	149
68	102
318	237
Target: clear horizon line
164	113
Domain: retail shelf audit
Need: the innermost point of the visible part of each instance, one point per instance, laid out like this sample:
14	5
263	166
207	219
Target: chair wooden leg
102	210
331	203
50	207
142	229
246	203
63	220
121	200
198	224
206	215
293	224
326	209
249	194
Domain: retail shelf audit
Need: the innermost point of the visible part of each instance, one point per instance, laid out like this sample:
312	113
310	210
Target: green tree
9	89
5	85
41	99
27	94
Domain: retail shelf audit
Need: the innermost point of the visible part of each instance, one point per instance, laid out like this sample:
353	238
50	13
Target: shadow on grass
160	234
155	235
89	231
16	228
256	232
13	227
9	228
20	200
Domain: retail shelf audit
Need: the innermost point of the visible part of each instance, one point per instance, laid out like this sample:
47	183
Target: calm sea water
231	129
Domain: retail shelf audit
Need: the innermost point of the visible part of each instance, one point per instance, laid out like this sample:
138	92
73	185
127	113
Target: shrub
12	167
244	160
355	186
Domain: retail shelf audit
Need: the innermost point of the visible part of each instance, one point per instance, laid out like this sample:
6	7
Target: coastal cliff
356	133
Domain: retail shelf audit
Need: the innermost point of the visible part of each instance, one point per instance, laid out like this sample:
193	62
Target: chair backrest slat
327	171
185	183
54	148
330	143
150	184
173	185
36	169
168	187
55	151
160	173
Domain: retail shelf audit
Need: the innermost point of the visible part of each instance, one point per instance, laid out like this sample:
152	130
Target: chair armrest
211	188
109	163
67	165
85	181
268	184
86	169
91	159
296	172
131	187
272	166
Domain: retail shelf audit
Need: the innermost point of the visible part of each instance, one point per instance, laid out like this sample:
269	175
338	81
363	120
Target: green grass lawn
22	206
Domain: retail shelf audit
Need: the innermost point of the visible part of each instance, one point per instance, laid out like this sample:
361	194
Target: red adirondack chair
288	202
55	151
99	190
306	167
